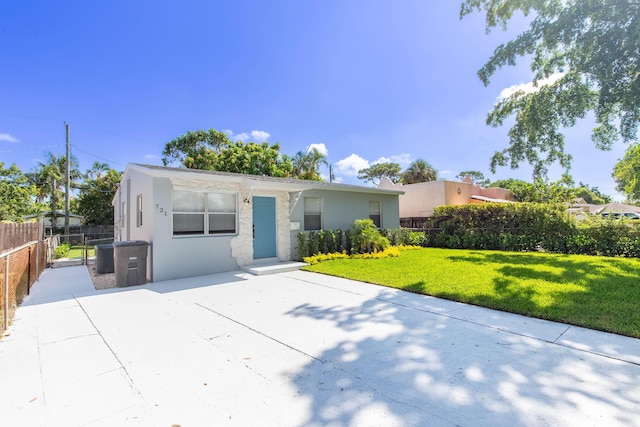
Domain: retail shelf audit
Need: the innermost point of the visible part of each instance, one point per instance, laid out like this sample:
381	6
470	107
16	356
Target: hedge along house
201	222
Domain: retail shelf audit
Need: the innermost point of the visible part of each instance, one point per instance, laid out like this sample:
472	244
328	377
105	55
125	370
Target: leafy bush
514	227
531	227
605	237
62	251
366	238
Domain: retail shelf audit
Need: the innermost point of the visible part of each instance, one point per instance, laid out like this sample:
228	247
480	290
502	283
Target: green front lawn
594	292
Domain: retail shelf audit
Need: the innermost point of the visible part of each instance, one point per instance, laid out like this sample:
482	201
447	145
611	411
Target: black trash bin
104	259
130	258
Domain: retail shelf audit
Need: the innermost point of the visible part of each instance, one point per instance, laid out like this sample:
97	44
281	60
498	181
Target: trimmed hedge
530	227
518	227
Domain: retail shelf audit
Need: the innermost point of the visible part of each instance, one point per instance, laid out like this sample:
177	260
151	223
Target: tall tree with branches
585	58
50	179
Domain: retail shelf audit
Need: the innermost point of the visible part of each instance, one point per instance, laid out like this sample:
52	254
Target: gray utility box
104	259
130	259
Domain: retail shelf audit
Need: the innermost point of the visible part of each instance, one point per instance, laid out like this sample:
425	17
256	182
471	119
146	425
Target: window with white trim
375	212
197	213
139	211
312	213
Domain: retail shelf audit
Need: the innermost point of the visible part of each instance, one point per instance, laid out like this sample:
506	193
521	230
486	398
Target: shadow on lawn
581	291
394	361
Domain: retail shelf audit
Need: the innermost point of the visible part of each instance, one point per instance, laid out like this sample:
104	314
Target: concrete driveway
300	349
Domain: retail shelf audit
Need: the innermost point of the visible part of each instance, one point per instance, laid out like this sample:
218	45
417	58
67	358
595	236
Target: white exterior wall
173	257
185	256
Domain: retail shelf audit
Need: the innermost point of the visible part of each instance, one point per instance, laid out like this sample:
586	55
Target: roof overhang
190	178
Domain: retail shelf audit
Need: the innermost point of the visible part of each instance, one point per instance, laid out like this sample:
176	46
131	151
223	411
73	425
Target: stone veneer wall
242	244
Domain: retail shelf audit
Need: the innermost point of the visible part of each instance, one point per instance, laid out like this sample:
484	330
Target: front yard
595	292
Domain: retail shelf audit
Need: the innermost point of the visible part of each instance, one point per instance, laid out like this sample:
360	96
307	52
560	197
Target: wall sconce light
459	190
246	201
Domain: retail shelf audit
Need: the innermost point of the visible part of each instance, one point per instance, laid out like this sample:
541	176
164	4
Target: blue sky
371	80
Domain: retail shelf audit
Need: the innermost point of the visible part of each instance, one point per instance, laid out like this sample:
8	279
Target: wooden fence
15	235
19	269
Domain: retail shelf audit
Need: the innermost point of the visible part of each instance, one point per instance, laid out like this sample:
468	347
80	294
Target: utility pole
67	181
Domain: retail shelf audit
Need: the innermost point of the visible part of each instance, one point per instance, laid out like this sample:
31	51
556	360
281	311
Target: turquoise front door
264	227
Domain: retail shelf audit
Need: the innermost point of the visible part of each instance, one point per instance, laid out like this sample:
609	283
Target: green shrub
366	238
530	227
397	236
501	226
62	251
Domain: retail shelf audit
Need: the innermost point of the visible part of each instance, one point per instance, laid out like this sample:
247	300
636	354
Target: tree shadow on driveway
392	363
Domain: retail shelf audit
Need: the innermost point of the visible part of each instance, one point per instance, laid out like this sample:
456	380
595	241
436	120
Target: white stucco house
201	222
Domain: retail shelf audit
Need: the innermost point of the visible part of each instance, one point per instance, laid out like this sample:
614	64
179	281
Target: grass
77	252
595	292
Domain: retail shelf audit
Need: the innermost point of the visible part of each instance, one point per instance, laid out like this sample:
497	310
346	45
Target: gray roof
290	184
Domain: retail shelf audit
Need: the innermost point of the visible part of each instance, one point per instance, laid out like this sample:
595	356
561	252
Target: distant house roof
489	199
49	214
617	207
288	184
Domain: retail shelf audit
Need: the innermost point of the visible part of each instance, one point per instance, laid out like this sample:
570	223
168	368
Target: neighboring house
581	209
201	222
47	217
419	200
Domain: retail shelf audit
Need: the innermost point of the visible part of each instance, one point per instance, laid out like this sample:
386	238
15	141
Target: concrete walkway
300	349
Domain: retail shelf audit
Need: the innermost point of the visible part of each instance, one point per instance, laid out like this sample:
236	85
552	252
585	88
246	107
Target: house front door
264	227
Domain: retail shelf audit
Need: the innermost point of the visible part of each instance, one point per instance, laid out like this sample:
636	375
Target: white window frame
320	214
205	214
139	211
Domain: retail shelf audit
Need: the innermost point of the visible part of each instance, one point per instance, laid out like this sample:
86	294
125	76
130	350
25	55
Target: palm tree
419	171
50	177
306	164
97	170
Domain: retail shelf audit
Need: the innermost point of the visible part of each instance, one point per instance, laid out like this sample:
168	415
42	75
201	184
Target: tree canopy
539	191
584	55
306	164
195	150
591	195
17	194
419	171
476	177
94	200
49	178
377	172
252	158
213	150
626	173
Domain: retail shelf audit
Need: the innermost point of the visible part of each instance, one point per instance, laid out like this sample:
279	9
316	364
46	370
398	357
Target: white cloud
256	135
352	164
403	159
530	87
8	138
260	135
241	137
320	147
151	156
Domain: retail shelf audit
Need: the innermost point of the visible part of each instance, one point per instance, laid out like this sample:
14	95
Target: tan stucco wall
422	198
497	193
